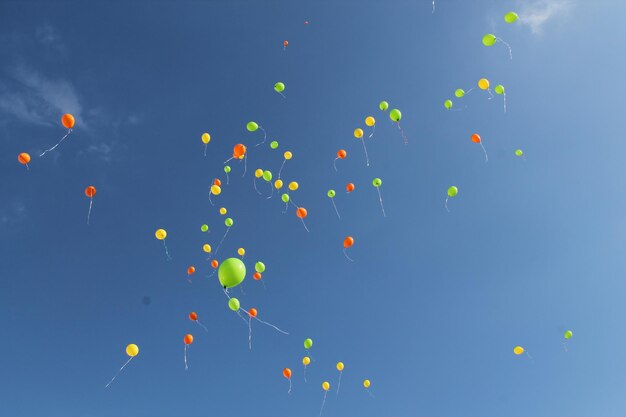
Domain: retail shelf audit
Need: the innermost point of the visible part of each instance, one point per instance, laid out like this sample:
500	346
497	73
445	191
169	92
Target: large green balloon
308	343
227	169
285	198
228	222
204	228
383	105
519	152
511	17
453	191
231	272
489	39
499	89
459	92
234	304
331	193
259	267
267	175
447	104
568	334
377	182
395	115
252	126
279	87
274	144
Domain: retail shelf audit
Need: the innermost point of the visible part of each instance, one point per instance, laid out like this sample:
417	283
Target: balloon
223	211
204	227
217	182
188	339
258	173
453	191
191	270
232	272
132	350
241	251
227	169
234	304
370	121
267	175
519	152
23	158
331	193
325	385
285	197
228	222
308	343
568	334
483	84
193	316
348	241
489	39
511	17
287	373
459	93
366	383
518	350
252	312
383	105
252	126
447	104
278	184
306	360
215	189
377	182
301	212
68	120
340	366
90	191
499	89
395	115
288	155
285	44
293	186
239	150
257	276
214	263
273	144
349	187
341	154
206	138
160	234
358	133
206	247
279	87
475	138
259	267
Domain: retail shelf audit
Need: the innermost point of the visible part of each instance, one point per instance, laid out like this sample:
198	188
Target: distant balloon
340	366
279	88
447	104
518	350
191	270
453	191
228	222
267	175
160	234
24	159
204	228
349	187
188	339
239	151
331	193
325	385
370	121
358	133
223	211
274	144
68	121
377	182
206	247
511	17
308	343
234	304
293	186
301	212
568	334
383	105
278	184
241	251
231	272
458	93
206	138
285	198
483	84
489	39
252	126
499	89
132	350
306	361
519	152
395	115
259	267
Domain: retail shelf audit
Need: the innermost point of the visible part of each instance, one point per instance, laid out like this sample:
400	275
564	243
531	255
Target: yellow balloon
215	189
132	350
358	133
293	186
306	360
325	386
160	234
518	350
340	366
206	247
223	211
370	121
288	155
366	383
258	173
206	138
241	251
278	184
483	84
242	156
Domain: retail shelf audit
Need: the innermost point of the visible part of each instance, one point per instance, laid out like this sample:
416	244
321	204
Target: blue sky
434	302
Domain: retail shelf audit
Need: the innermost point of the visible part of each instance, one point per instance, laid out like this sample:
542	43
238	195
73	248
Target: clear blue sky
434	303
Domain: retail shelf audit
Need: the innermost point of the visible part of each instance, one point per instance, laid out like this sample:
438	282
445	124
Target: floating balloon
253	126
231	272
366	385
476	139
278	184
90	192
257	276
339	367
241	252
287	374
214	263
293	186
490	39
267	175
395	115
305	361
161	234
452	192
234	304
308	343
204	228
206	138
349	187
215	190
193	316
358	133
567	336
191	270
371	122
188	340
377	182
301	213
279	88
217	182
341	154
132	350
258	173
483	84
227	171
68	122
518	350
347	243
325	387
519	152
259	267
285	43
499	90
447	104
223	211
285	198
274	144
206	247
287	156
331	195
459	93
24	159
511	17
383	105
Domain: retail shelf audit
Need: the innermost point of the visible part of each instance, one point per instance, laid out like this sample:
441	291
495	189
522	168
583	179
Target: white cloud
536	13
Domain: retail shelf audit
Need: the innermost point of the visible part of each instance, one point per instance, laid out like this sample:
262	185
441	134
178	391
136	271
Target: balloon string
227	178
118	372
167	253
223	237
447	204
27	167
250	332
289	392
271	325
486	157
264	137
565	345
303	224
346	255
369	392
339	383
271	190
286	207
404	138
226	161
186	367
205	146
211	201
58	143
281	168
335	164
336	211
281	94
504	102
203	326
245	165
373	130
490	93
89	212
305	373
380	198
508	46
323	402
367	158
255	187
433	6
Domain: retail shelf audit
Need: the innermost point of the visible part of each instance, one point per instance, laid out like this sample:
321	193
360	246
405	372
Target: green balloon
267	175
308	343
568	334
228	222
227	169
511	17
459	92
259	267
252	126
383	105
519	152
331	193
395	115
489	39
285	198
279	87
204	228
231	272
447	104
274	144
453	191
499	89
377	182
234	304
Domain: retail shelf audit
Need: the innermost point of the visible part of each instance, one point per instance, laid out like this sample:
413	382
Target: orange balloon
239	150
214	263
252	312
285	43
24	158
348	241
68	120
341	154
350	187
256	276
193	316
90	191
188	339
191	270
301	212
287	373
475	138
217	182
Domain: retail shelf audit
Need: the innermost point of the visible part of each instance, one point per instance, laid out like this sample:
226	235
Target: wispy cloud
537	13
13	212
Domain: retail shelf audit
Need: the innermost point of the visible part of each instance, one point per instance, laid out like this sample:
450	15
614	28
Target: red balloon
24	158
191	270
252	312
256	276
217	182
188	339
68	121
301	212
193	316
475	138
341	154
90	191
287	373
239	150
348	241
350	187
214	263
